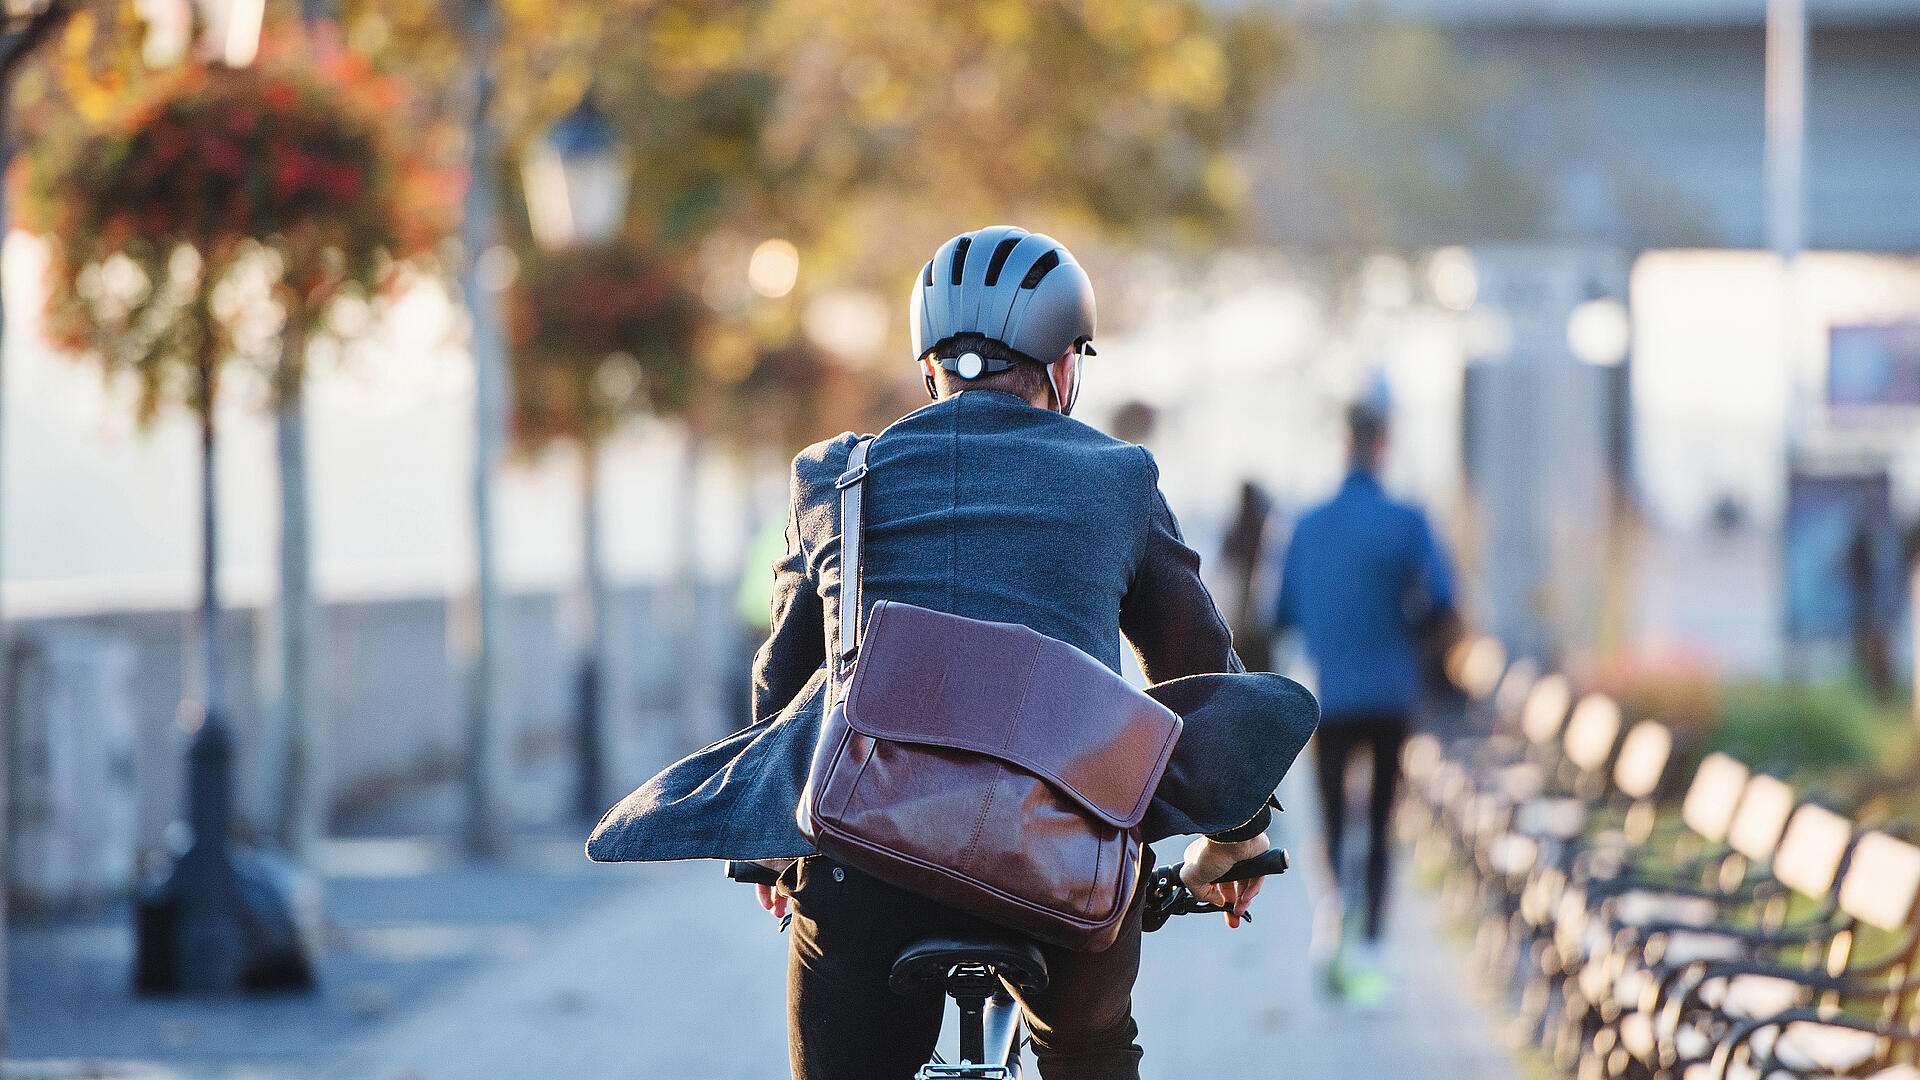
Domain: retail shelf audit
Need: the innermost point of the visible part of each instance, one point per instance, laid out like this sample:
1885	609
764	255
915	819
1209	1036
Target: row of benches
1756	937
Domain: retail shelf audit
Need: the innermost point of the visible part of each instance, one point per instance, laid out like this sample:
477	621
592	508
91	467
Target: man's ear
926	365
1064	377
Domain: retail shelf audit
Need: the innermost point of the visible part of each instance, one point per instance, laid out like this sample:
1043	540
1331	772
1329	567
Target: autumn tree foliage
864	132
223	205
599	333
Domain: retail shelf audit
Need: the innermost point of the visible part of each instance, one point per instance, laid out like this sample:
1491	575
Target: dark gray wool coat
982	505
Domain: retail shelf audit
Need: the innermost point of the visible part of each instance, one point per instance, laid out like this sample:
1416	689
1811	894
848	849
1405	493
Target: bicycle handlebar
751	873
1270	862
1168	896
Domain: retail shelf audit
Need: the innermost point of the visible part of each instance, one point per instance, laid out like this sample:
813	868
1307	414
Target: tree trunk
486	763
684	609
595	666
209	548
6	713
300	817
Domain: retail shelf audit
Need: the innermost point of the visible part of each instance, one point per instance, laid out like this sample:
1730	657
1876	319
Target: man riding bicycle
991	503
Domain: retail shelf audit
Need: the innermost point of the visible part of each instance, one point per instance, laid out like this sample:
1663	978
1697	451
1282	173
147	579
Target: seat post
970	985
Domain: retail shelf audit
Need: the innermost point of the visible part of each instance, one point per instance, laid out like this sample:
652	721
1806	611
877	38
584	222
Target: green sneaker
1365	983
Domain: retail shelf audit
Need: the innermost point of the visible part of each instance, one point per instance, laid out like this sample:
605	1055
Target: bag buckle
851	477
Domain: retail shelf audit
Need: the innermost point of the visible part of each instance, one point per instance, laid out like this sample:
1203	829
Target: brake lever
1168	896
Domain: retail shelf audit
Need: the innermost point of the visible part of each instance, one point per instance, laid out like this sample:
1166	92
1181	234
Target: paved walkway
556	968
682	976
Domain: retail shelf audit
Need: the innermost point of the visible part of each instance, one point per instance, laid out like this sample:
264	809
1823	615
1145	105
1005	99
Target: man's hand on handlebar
771	897
1208	859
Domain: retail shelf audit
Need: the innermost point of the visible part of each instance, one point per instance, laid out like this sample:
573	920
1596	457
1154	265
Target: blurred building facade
1637	123
1635	128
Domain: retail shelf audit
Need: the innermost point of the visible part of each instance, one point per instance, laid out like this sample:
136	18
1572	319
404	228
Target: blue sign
1874	365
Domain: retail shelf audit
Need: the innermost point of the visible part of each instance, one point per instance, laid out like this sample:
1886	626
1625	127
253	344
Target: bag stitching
1026	691
979	826
1093	888
853	785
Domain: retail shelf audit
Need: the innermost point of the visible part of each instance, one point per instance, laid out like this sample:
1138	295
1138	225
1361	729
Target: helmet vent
929	273
1000	252
960	258
1041	268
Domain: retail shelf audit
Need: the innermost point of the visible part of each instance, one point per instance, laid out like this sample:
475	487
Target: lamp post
577	176
221	922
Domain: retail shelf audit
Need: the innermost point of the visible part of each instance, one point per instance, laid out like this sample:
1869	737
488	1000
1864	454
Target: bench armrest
1742	1034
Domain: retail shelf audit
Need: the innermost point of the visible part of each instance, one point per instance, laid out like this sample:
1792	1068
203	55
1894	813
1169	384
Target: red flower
241	121
343	181
223	157
291	173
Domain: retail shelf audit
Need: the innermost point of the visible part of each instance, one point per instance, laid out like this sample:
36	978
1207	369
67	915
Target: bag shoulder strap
853	528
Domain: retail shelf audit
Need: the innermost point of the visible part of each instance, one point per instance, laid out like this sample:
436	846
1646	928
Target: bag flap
1012	693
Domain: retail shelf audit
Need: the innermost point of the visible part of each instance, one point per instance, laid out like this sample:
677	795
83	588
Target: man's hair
1024	379
1368	426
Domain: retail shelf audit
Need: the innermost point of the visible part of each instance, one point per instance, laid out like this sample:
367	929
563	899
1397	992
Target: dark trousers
1334	743
844	1023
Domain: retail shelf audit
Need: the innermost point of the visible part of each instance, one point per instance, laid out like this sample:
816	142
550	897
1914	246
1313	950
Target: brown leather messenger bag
982	764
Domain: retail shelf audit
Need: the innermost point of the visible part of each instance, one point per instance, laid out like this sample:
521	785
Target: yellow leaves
879	98
94	98
369	33
566	86
1193	72
524	10
865	77
1006	21
1162	22
1111	21
1226	182
689	49
725	353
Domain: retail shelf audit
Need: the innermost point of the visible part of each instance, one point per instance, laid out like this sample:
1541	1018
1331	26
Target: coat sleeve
797	646
1167	614
1234	749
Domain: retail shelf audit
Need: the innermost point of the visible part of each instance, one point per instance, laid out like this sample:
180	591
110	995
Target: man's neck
1046	404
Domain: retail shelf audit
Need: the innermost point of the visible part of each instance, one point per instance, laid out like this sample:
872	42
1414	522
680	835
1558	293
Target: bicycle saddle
929	960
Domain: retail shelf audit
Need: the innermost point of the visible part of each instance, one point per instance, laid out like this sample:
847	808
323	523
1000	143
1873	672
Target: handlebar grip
1266	864
751	873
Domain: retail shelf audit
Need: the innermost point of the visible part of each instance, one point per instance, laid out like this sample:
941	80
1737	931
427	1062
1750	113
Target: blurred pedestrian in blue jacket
1363	578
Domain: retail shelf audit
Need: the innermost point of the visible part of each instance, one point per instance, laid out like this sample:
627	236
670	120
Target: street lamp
233	30
577	175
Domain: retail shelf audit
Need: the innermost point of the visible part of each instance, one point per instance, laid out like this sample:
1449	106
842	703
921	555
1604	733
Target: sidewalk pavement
681	976
547	966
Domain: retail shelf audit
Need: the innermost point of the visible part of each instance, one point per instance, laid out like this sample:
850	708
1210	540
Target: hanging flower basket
295	168
598	334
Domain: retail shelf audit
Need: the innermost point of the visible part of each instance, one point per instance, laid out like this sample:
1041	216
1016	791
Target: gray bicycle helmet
1021	289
